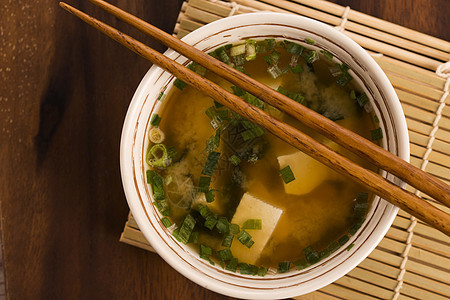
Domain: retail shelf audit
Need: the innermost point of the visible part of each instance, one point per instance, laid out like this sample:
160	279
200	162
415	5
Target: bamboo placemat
413	260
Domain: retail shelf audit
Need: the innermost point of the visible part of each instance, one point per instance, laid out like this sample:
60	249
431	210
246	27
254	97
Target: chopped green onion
344	78
310	56
234	228
343	239
156	181
161	96
310	41
194	237
232	265
213	142
312	256
238	91
210	222
166	222
248	269
262	271
205	252
353	95
217	104
350	247
211	163
176	234
274	71
162	206
234	159
222	55
301	263
376	134
199	69
203	210
210	196
237	50
375	119
360	209
245	238
324	253
158	156
356	226
287	175
272	58
155	120
179	84
239	60
362	197
333	246
240	68
294	96
294	48
250	47
203	184
249	98
297	69
186	228
228	240
362	99
284	266
255	224
225	254
223	226
327	54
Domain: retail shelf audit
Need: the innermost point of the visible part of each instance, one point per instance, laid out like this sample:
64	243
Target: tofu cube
308	173
251	207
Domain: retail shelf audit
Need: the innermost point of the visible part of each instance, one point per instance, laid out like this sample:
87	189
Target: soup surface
221	170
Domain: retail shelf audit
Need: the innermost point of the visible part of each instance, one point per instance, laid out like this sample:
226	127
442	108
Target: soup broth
302	221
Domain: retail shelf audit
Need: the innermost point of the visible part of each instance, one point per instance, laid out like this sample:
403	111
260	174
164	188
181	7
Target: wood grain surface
64	92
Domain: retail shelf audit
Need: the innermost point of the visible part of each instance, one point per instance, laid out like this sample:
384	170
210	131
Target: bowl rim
129	132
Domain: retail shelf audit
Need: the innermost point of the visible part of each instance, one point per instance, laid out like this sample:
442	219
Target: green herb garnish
287	174
232	265
234	159
166	222
203	184
284	266
312	256
255	224
225	254
211	163
186	228
179	84
223	226
245	238
376	134
155	120
301	263
228	240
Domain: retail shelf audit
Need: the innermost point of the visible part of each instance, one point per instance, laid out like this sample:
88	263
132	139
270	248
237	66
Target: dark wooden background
64	92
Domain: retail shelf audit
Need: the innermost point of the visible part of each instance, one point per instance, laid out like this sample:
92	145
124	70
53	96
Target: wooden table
64	93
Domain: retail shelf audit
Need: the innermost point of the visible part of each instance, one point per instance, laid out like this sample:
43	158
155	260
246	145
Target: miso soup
243	197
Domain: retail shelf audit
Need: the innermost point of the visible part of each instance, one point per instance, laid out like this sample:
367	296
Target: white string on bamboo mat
443	71
341	27
234	6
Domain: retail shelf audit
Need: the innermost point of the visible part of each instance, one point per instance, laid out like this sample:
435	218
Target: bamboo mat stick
330	129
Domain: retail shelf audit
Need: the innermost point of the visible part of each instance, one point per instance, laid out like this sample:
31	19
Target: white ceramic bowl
134	142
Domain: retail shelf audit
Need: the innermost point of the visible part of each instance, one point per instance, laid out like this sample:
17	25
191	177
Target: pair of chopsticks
378	156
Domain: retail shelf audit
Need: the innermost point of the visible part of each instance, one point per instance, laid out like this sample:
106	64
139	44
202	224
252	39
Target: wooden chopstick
378	156
382	187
